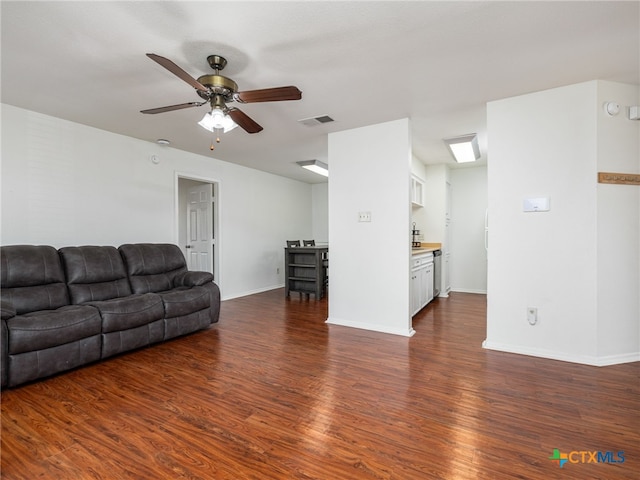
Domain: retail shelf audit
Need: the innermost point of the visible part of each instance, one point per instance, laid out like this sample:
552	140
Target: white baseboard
564	357
371	326
469	290
251	292
618	359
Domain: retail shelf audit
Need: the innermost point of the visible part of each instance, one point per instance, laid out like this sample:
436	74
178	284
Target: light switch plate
540	204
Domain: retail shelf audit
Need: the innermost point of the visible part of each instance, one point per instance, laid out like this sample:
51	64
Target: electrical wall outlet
364	216
532	315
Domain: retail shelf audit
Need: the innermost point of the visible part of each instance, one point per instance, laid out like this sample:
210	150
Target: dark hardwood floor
272	392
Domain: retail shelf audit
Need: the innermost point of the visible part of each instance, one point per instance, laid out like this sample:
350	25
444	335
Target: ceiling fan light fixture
464	148
216	119
315	166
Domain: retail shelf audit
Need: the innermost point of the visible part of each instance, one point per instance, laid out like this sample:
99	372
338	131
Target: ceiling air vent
311	121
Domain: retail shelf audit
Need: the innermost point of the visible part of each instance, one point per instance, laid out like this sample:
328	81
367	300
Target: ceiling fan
217	91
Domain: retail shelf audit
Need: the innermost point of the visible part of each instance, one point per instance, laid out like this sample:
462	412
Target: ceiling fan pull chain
216	134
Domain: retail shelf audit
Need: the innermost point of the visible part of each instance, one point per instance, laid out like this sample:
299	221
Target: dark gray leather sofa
65	308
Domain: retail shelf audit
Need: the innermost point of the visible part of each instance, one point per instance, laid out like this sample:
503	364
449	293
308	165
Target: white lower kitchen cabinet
421	281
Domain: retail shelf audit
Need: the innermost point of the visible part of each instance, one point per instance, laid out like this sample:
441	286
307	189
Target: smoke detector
611	108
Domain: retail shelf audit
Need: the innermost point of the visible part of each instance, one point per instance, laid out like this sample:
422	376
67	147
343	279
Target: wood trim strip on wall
619	178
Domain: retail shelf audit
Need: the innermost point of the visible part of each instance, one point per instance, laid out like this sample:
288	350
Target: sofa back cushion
94	273
153	267
32	278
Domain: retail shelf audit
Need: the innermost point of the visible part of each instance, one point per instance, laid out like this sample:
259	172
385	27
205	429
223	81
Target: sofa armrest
8	310
193	279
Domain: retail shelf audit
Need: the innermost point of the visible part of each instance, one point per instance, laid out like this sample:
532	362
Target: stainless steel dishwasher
437	272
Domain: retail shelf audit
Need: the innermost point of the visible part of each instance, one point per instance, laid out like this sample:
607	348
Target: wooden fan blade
173	107
244	120
177	71
269	95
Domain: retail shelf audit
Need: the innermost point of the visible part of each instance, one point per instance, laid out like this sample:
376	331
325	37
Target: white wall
320	212
369	262
68	184
468	263
435	193
550	144
618	236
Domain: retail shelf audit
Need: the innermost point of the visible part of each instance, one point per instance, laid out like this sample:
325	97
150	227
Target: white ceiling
360	62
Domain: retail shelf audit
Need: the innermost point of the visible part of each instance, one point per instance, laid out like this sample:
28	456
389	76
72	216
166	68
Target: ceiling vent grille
312	121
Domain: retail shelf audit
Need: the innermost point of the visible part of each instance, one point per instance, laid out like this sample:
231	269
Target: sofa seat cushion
50	328
184	301
129	312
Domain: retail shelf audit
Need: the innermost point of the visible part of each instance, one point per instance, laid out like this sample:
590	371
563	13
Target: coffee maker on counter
415	234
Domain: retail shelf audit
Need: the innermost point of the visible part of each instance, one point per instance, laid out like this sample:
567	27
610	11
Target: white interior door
200	228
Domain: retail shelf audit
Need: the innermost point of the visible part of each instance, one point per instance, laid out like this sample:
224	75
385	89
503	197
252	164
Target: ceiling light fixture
464	148
216	119
315	166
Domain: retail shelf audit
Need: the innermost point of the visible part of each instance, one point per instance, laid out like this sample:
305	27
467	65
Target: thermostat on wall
535	204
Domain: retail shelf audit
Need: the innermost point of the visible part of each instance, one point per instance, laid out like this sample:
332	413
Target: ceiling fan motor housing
218	85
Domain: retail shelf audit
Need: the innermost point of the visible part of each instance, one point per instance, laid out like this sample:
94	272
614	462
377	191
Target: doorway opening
198	223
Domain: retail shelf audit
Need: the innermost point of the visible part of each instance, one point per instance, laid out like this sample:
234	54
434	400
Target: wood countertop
425	248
